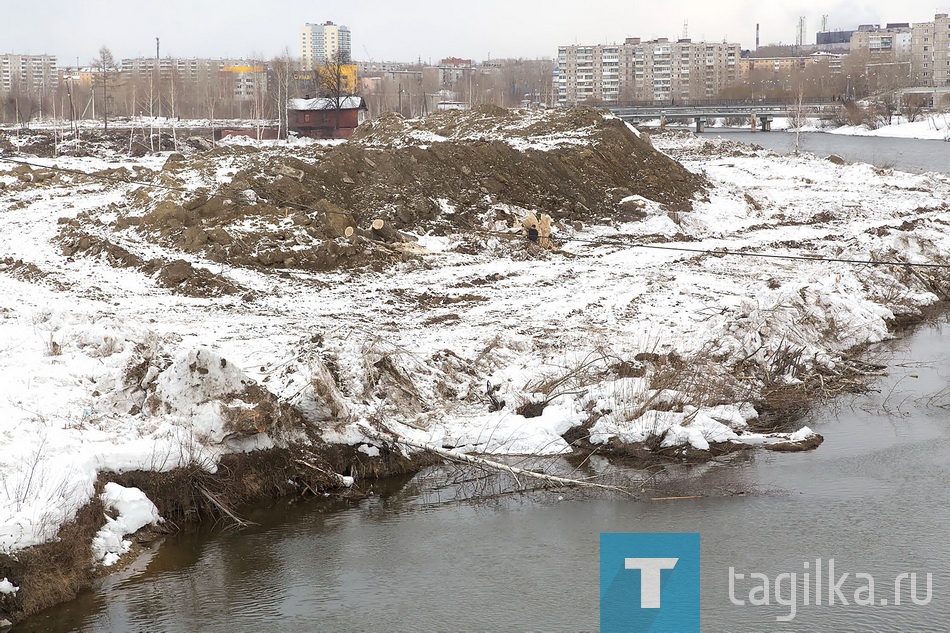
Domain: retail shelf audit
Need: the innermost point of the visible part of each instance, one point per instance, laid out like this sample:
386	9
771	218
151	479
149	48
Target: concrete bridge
760	116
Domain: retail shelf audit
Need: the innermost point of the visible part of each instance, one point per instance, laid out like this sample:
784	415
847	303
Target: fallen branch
336	476
220	506
514	471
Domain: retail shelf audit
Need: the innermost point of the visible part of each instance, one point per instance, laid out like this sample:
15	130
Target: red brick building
320	118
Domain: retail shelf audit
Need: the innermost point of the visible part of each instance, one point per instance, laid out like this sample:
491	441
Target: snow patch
135	511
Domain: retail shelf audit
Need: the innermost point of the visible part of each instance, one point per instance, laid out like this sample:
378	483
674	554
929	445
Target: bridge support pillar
700	124
766	123
663	121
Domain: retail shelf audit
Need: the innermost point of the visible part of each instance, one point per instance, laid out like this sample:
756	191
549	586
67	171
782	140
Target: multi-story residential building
808	75
28	73
588	73
779	66
242	79
369	67
322	42
892	43
941	57
930	52
658	70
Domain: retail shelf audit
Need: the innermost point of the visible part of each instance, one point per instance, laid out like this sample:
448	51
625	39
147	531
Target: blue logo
649	583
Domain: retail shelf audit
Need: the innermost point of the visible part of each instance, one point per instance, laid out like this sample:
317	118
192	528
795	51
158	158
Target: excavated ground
313	207
449	172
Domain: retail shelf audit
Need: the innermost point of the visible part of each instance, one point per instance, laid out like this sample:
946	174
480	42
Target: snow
801	434
366	449
134	511
934	126
931	127
72	329
8	587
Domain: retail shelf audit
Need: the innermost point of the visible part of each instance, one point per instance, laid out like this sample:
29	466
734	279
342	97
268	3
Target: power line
595	242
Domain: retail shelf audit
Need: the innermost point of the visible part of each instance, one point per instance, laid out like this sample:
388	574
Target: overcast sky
391	30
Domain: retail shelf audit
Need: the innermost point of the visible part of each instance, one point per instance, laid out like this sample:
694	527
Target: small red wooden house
320	118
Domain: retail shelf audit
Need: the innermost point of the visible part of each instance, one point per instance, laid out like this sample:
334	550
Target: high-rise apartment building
661	71
322	42
28	73
930	52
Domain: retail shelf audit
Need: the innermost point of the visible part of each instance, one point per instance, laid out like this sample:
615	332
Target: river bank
934	126
474	339
869	498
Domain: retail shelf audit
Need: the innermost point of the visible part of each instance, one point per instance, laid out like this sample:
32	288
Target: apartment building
243	79
322	42
28	73
930	52
891	43
660	70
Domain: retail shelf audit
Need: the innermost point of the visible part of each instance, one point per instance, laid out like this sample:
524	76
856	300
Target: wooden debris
514	471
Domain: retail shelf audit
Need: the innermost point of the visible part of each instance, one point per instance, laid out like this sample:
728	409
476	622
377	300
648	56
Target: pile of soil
351	205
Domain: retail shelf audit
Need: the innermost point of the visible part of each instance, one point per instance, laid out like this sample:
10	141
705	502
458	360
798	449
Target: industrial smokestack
756	36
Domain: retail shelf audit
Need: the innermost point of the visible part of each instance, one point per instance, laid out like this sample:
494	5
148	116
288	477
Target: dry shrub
53	572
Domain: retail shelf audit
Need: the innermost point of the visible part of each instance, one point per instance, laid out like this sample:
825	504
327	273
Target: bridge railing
673	112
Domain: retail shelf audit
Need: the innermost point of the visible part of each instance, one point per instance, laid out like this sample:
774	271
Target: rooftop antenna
685	29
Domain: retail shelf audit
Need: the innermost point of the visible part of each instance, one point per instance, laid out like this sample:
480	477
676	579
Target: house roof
347	103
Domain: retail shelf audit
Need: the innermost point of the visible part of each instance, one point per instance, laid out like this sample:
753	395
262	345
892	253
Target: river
414	557
911	155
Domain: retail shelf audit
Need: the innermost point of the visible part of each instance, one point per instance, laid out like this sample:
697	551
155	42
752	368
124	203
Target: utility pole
72	111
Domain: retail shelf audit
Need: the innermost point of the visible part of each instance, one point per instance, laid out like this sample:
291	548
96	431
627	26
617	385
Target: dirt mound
178	275
353	205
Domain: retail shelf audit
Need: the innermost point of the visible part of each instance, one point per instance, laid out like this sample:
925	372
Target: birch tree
282	71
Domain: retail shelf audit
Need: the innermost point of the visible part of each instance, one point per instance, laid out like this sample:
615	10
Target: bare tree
282	69
210	91
799	117
337	81
107	69
913	106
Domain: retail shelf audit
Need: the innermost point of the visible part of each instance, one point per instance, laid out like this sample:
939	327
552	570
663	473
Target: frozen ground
106	370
